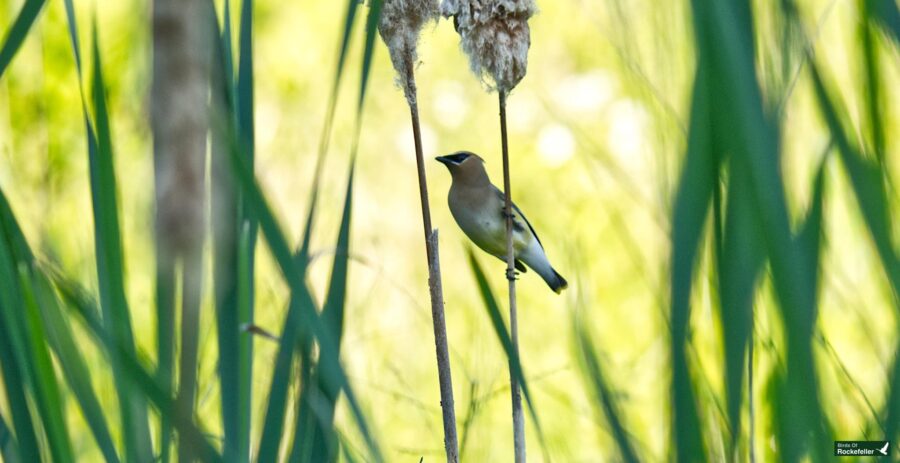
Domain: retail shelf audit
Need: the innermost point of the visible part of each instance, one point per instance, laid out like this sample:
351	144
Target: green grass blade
869	189
232	300
276	409
165	339
161	397
61	340
46	387
274	417
110	270
308	321
368	52
245	80
14	363
887	14
349	18
725	37
19	30
8	448
324	444
809	237
892	406
244	101
743	256
867	182
605	401
872	74
23	325
515	365
695	188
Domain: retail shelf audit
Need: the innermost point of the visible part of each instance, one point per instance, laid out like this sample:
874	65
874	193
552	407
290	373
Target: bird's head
463	165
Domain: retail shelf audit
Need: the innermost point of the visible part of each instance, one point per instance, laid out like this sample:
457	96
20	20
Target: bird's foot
505	214
512	274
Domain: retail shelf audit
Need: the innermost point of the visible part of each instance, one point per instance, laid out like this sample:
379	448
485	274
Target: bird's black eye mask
457	158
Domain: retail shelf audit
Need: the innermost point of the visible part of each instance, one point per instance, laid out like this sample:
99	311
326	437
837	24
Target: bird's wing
516	209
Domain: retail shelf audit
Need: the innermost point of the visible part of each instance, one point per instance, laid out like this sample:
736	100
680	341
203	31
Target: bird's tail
556	281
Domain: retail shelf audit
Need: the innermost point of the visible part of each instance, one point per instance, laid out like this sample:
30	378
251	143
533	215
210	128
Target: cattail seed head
399	26
495	36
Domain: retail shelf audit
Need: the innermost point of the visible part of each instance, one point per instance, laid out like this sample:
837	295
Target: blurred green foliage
710	174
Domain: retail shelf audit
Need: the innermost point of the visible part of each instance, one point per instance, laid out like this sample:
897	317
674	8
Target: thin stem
451	445
518	417
750	392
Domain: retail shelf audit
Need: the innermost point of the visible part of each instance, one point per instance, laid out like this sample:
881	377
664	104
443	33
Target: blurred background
598	131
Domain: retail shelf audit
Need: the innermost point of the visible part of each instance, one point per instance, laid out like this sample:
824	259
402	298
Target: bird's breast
481	218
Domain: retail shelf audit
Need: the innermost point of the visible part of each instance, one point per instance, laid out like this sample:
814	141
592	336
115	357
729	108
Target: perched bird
480	210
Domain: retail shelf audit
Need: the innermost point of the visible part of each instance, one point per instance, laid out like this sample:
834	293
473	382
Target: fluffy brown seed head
495	36
399	26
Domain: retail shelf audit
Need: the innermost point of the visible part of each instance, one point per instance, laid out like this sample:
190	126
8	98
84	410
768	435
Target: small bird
480	210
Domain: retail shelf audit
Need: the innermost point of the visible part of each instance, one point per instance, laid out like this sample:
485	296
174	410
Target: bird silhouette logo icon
884	450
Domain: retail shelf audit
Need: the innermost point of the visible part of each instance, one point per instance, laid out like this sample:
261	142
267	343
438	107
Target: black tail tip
560	283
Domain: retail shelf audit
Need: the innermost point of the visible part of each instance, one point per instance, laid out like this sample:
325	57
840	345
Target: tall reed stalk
182	38
399	26
495	36
518	417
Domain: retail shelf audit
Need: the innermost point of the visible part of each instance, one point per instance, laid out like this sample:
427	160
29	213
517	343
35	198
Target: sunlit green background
597	135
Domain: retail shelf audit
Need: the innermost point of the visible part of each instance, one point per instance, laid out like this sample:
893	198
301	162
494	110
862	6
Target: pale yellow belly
486	227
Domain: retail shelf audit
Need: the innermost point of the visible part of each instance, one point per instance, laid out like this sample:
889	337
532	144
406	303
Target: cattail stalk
436	290
181	43
496	37
518	417
401	21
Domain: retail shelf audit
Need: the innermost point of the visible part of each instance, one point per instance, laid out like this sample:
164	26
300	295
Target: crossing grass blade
742	259
110	270
866	181
725	37
23	325
699	176
515	364
18	32
604	399
74	368
869	189
308	436
324	444
45	385
60	338
79	302
318	424
309	324
17	361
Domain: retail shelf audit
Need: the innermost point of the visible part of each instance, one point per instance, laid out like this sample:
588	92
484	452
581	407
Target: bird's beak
444	160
